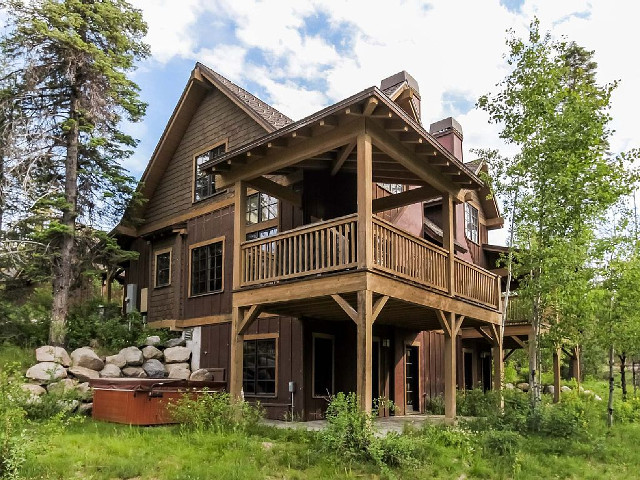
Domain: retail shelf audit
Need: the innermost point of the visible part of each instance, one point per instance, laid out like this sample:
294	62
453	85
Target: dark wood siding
216	119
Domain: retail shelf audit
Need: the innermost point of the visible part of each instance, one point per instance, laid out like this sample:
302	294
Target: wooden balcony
332	246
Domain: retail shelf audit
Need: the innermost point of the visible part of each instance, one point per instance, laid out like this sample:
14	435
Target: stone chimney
403	89
449	133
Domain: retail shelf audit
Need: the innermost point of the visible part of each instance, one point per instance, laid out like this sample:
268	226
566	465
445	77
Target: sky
305	55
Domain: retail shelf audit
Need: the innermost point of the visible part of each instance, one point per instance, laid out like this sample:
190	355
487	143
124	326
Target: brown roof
264	110
474	165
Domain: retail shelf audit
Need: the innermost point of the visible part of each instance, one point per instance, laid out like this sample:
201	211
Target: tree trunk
534	355
633	374
623	374
64	264
610	405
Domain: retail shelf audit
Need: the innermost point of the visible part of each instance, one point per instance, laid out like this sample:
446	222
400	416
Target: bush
477	403
12	426
26	322
434	405
215	411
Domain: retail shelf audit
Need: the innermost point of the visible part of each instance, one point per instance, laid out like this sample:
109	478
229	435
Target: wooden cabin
341	252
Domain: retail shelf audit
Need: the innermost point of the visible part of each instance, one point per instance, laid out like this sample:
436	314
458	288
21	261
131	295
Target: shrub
25	322
12	423
214	411
477	403
434	405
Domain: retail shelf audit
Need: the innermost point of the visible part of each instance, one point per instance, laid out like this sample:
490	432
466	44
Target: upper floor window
206	268
392	187
205	184
163	268
471	222
259	367
267	232
261	207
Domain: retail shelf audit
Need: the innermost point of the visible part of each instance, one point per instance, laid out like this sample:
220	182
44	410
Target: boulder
68	405
152	340
53	354
150	352
565	389
204	375
509	386
597	398
83	374
588	392
179	370
524	386
85	408
46	372
118	360
110	371
134	372
85	391
177	355
33	390
154	369
133	356
86	358
550	389
175	342
63	386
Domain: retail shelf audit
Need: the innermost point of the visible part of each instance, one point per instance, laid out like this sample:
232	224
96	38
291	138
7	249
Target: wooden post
556	375
235	367
237	339
365	209
448	229
364	349
450	325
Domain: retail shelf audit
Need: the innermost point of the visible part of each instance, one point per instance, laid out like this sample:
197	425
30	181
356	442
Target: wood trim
261	336
168	250
276	190
194	172
198	245
192	213
256	227
315	335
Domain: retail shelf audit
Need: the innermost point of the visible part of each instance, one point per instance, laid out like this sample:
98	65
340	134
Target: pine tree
68	79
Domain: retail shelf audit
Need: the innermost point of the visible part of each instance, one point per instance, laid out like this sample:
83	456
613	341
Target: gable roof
256	106
202	80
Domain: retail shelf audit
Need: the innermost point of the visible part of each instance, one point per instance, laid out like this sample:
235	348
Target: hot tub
143	401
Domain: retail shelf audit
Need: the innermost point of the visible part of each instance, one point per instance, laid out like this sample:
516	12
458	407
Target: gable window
206	268
163	268
259	367
471	222
323	365
261	207
205	184
392	187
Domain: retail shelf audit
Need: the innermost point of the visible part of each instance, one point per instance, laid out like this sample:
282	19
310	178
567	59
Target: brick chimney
449	133
403	89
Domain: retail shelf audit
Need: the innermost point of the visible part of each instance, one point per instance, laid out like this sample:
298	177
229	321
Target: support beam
378	306
516	339
370	106
239	231
276	190
509	353
450	324
402	199
237	340
249	316
364	350
448	229
348	309
342	157
556	375
364	195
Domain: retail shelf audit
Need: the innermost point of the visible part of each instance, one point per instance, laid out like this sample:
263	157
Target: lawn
93	450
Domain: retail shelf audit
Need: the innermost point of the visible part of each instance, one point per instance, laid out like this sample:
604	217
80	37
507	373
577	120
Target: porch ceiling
403	151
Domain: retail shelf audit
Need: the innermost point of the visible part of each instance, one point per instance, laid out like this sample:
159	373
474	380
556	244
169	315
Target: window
163	268
267	232
392	187
323	368
205	185
471	222
206	268
259	367
261	207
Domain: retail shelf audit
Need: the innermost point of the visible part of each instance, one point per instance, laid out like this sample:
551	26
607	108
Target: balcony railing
313	249
333	246
400	253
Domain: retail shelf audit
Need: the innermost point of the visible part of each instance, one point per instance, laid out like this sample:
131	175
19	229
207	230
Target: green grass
11	354
92	450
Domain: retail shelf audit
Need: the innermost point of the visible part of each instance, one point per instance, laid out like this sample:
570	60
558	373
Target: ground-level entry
412	379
